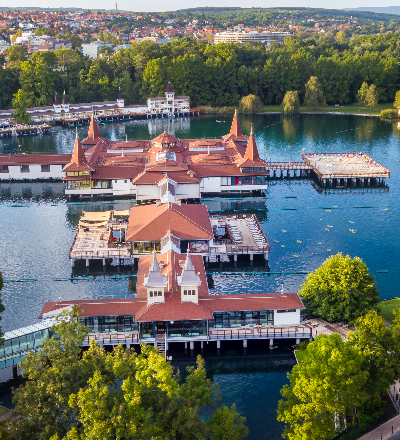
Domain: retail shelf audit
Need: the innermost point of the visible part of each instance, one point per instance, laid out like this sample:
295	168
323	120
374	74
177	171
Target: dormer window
166	155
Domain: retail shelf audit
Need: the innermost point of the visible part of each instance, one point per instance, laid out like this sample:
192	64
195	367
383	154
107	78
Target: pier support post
128	345
266	256
166	345
72	262
244	343
218	344
383	180
297	341
201	345
235	257
192	345
185	346
251	257
345	183
368	181
87	262
271	342
118	261
104	261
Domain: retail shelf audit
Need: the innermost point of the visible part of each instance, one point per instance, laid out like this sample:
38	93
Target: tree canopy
250	104
314	96
71	395
291	103
324	388
338	385
341	289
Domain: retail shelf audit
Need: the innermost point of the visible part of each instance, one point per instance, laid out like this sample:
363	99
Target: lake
38	225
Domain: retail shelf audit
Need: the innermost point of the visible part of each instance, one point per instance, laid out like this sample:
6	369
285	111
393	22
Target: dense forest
213	75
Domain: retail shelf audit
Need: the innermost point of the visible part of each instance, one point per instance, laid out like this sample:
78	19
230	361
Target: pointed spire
119	93
188	263
251	149
169	88
93	129
78	156
236	129
56	100
65	101
155	267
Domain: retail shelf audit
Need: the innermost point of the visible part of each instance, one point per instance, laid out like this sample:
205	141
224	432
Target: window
24	168
3	168
159	293
125	181
286	311
151	294
45	168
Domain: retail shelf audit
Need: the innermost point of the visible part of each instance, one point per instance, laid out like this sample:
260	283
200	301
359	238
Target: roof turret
189	276
155	278
78	159
65	101
119	93
251	149
169	88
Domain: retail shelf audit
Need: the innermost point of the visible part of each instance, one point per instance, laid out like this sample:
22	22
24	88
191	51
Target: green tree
375	341
324	389
396	103
314	96
341	289
20	103
372	97
251	104
16	55
291	103
72	395
362	93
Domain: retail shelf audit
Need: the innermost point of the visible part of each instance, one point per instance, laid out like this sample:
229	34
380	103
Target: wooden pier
343	170
119	116
24	130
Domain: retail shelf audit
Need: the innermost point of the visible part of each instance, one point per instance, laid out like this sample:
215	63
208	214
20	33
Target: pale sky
172	5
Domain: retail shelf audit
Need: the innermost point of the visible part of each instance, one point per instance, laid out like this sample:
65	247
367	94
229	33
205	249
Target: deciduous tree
314	96
71	395
397	100
341	289
291	103
251	104
21	102
372	97
325	388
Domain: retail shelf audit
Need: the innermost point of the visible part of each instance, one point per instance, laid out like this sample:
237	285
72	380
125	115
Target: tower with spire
78	162
155	283
189	282
56	105
251	160
93	136
65	104
120	100
236	133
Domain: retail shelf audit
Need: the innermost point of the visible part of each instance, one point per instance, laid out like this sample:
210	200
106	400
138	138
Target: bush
389	113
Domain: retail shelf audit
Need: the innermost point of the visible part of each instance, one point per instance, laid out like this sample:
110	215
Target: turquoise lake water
37	233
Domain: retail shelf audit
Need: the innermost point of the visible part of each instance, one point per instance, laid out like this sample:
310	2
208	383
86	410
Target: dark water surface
38	225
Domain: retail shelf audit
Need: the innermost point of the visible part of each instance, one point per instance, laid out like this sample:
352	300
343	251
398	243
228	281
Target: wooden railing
112	338
101	253
260	332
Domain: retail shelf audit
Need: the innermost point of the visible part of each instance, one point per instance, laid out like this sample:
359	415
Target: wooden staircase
160	344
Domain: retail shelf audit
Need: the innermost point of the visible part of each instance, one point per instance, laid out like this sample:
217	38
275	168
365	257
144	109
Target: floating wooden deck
342	170
24	130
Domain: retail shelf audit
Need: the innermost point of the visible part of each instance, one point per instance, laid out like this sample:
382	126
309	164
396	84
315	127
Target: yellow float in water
299	241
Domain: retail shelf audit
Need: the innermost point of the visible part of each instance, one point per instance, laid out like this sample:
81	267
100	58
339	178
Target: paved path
384	431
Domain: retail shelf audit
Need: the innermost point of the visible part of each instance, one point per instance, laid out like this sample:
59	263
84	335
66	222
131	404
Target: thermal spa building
173	304
166	168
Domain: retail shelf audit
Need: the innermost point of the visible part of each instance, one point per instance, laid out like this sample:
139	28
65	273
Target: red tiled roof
35	159
152	177
152	222
165	138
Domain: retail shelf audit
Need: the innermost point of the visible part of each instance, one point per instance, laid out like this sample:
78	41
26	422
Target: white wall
123	187
89	191
187	191
147	192
35	172
211	184
288	318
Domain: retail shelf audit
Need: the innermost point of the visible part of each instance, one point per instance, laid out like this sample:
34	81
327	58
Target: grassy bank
386	308
354	109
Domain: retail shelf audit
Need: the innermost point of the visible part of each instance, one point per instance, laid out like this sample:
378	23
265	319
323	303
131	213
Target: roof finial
251	131
76	132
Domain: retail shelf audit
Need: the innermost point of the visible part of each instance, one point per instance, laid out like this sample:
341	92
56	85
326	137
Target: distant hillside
394	10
